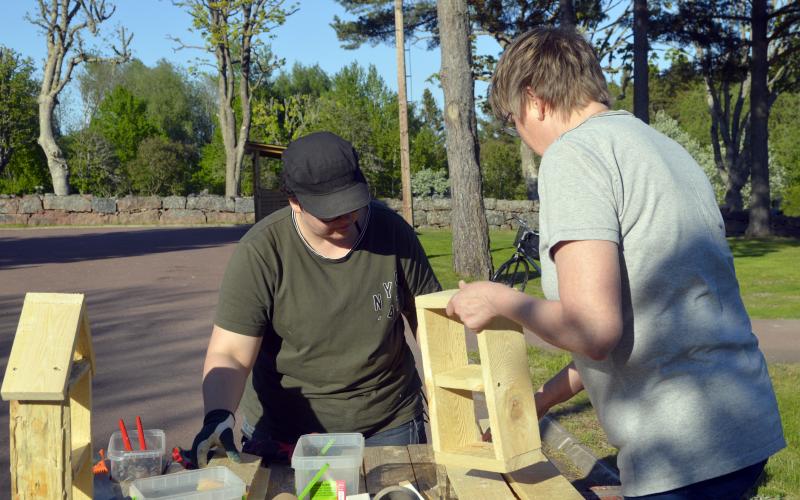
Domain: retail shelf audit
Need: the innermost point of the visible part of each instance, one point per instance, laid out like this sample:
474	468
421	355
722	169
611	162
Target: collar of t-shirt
361	231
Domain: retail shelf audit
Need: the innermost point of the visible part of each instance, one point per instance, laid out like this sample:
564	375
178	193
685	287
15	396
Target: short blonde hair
557	64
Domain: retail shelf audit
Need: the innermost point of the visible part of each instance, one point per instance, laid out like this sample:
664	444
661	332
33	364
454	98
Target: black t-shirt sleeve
244	297
418	276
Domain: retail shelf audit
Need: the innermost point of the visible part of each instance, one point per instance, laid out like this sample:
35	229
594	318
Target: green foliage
161	167
701	154
18	123
500	166
430	183
178	106
360	108
210	176
26	172
94	166
123	121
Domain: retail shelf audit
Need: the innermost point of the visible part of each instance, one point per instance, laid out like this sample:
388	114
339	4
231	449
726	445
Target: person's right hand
217	431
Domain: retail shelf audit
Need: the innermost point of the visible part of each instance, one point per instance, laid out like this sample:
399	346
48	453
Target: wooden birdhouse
450	383
48	382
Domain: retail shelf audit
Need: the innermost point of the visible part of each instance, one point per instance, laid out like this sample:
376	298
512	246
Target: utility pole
402	105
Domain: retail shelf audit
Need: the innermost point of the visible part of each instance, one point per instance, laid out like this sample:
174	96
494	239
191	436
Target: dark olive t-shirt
333	356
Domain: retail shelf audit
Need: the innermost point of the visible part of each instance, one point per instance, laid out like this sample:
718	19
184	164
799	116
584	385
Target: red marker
140	430
125	439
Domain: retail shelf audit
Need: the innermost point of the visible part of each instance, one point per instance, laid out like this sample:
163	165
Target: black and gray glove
217	431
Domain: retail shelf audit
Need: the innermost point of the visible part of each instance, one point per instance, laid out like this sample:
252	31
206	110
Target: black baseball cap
322	171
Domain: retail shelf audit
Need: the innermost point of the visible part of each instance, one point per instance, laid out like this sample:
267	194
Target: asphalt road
150	295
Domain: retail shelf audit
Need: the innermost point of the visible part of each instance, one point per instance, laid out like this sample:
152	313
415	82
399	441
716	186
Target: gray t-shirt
685	395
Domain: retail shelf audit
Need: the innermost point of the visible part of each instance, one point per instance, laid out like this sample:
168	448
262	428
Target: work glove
217	431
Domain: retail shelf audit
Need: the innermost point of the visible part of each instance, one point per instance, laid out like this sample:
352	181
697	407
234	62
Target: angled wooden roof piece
53	331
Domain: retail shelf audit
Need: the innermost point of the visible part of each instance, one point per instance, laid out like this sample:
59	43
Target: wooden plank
429	482
386	466
38	456
83	347
249	470
541	480
436	300
480	455
478	485
468	378
509	396
42	352
281	480
452	412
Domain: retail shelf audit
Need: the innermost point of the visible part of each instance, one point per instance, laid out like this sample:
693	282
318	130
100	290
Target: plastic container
211	483
135	464
343	454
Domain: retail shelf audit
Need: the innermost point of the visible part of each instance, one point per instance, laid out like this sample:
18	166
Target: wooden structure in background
265	201
48	382
513	459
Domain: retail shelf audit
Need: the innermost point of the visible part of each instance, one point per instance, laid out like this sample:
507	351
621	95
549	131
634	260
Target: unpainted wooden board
249	470
443	348
473	484
509	396
424	467
386	466
468	378
541	480
41	355
281	480
38	455
480	455
436	300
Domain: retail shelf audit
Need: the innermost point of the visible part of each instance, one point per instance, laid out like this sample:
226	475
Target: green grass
767	269
769	276
578	417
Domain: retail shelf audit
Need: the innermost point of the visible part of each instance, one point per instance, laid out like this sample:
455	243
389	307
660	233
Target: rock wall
87	210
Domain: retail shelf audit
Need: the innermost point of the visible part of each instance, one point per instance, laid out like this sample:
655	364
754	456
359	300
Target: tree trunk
470	230
530	170
402	106
758	225
641	70
59	172
567	17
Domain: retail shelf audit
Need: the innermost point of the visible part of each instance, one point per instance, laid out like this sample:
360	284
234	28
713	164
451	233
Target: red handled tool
125	439
140	430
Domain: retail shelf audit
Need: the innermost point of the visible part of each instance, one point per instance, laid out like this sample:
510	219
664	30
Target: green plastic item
318	475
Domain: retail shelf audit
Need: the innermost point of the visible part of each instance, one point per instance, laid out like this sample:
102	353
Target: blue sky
306	38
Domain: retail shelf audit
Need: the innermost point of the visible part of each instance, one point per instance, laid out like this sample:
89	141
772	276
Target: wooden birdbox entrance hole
48	382
450	381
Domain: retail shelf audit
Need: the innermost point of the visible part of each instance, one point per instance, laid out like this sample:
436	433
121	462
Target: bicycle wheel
514	272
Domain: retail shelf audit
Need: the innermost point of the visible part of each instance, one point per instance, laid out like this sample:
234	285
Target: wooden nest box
450	381
48	382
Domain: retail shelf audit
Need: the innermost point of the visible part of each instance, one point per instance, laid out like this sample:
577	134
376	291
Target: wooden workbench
389	465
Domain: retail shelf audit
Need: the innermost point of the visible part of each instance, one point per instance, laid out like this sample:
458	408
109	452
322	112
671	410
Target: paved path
151	294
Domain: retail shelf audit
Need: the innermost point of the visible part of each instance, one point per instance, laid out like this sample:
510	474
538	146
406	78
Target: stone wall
87	210
499	213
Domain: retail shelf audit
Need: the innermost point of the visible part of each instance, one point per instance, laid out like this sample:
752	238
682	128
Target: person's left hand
473	304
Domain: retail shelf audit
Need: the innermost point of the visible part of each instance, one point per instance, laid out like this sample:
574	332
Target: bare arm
562	387
229	359
587	319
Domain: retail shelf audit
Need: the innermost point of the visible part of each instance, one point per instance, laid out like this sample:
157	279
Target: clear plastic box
211	483
135	464
343	454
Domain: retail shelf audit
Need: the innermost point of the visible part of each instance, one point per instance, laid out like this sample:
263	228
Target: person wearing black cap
309	332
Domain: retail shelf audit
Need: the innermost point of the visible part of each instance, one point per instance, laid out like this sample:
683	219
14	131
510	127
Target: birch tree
64	23
231	30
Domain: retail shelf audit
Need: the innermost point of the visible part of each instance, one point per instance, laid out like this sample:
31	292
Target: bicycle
516	271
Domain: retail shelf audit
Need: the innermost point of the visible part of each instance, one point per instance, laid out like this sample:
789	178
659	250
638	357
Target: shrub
161	167
429	183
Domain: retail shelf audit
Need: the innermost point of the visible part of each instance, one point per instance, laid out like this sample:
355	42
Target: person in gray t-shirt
639	281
